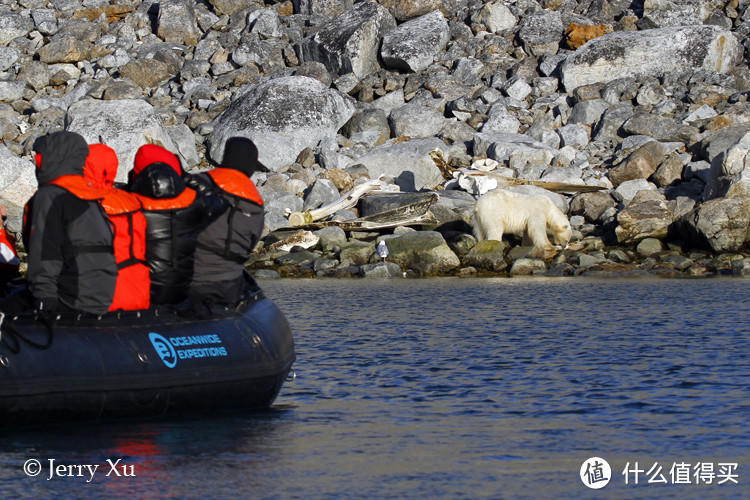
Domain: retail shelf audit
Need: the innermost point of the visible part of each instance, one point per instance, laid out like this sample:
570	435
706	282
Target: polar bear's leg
488	220
536	231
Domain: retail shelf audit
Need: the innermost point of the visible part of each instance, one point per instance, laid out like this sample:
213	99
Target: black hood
158	181
241	154
63	153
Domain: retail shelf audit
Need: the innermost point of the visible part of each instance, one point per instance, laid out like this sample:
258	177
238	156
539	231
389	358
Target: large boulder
17	181
13	26
730	168
679	13
675	52
177	22
403	10
325	8
123	125
408	162
416	121
423	249
720	225
414	45
282	116
350	43
646	219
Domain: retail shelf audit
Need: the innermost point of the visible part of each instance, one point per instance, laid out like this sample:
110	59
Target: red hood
151	153
101	166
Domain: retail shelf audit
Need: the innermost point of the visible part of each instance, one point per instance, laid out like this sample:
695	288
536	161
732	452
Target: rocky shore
642	105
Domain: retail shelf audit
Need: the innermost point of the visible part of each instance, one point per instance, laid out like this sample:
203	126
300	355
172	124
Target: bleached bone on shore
348	200
479	182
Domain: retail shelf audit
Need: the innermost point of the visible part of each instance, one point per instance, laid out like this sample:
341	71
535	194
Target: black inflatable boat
142	364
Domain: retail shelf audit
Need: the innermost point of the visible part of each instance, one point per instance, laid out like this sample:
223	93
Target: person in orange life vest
71	262
129	223
175	214
224	246
9	260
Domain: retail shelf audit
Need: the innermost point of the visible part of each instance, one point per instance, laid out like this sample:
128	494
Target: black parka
175	215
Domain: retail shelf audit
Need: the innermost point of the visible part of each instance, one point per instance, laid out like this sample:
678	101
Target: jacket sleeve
212	206
46	239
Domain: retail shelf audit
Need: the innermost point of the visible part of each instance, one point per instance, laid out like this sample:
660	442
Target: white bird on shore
382	249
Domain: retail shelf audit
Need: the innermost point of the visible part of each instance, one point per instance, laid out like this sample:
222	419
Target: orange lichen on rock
578	34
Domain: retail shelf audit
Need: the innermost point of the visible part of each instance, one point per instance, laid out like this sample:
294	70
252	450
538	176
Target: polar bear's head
559	225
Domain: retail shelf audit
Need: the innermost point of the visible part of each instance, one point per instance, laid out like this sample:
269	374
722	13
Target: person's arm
46	241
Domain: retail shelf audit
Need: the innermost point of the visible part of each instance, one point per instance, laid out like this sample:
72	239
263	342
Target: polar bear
501	211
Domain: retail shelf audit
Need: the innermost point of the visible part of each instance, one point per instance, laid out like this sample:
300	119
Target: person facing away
129	223
71	261
224	246
175	214
9	260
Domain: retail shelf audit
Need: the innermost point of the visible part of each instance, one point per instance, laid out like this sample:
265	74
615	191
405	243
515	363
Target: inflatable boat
142	363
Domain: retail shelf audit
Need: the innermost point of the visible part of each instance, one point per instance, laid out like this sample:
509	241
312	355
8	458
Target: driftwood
301	238
411	214
556	187
348	200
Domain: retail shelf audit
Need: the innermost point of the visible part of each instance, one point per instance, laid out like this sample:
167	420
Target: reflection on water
450	388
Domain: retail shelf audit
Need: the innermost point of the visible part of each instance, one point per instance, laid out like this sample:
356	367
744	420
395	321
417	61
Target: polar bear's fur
501	211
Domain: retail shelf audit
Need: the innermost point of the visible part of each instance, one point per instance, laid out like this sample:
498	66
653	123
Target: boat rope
12	338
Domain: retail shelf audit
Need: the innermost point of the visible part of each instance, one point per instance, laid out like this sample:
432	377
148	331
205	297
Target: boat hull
142	364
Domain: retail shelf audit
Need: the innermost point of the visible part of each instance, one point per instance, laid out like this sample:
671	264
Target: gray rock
184	141
368	119
146	73
640	164
323	8
515	147
525	267
647	219
13	26
322	192
17	181
123	125
408	162
591	205
496	16
588	112
356	253
413	45
649	246
425	248
403	11
626	191
45	21
351	41
380	270
65	50
8	57
501	121
416	121
266	274
720	225
541	32
660	128
669	172
741	267
573	135
276	205
682	13
730	174
265	24
487	254
177	22
11	90
609	126
330	237
676	52
282	116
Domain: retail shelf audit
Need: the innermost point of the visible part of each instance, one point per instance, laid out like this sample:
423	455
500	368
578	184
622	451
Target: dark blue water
451	388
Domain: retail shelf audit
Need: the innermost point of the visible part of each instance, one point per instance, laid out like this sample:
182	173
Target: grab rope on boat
12	338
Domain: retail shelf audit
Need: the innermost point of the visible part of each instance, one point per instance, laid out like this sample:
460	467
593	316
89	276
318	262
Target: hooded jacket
123	209
69	242
224	246
175	214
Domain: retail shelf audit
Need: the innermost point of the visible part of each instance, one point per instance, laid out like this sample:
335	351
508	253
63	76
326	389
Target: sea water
451	388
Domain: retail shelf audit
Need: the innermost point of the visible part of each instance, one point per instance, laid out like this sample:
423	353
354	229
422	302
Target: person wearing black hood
71	262
175	215
224	246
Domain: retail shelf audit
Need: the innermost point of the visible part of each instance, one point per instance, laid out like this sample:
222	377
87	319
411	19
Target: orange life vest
236	183
132	289
9	260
